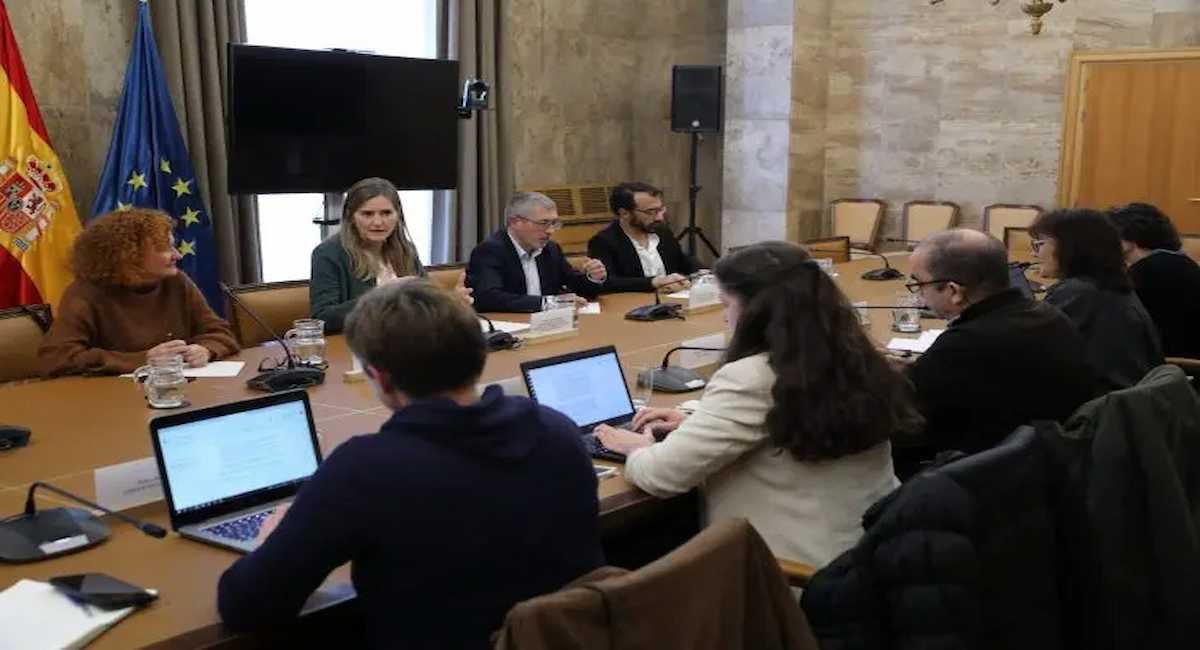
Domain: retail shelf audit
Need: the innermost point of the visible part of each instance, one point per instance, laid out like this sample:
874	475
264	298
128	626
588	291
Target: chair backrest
277	303
21	331
1018	242
723	582
833	248
998	216
1191	245
924	218
857	219
445	275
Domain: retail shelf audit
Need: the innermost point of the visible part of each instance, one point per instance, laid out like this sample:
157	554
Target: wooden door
1132	133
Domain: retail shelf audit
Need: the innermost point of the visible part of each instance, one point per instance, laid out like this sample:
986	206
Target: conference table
81	424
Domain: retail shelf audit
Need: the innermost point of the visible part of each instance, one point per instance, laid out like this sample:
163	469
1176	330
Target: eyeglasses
1037	244
549	224
915	285
654	212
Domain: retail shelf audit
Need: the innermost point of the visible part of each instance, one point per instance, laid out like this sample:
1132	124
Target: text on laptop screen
588	390
212	460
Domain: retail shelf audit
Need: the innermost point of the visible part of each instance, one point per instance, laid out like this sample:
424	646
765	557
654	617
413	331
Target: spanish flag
38	222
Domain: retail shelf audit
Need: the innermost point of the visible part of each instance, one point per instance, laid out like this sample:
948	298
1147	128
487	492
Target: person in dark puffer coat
967	555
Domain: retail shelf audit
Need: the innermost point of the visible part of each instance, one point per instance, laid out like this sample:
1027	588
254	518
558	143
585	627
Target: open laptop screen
589	388
216	459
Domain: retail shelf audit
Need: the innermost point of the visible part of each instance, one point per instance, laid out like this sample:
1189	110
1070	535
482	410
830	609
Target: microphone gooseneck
291	362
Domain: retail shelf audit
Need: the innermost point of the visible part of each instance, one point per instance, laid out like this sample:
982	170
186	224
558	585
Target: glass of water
643	387
860	307
306	340
564	301
163	381
906	316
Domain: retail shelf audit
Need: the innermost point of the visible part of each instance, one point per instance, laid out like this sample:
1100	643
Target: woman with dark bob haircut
1082	249
793	430
1167	281
129	302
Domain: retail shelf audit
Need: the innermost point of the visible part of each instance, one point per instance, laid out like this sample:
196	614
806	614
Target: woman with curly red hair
130	303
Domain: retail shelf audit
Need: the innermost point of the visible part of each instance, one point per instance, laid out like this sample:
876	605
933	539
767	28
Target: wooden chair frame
904	218
881	211
987	210
839	253
22	362
235	322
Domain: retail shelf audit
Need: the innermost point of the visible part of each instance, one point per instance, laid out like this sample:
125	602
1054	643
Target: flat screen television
317	121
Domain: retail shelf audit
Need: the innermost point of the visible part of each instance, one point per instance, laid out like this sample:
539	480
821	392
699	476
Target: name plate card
128	485
552	321
702	295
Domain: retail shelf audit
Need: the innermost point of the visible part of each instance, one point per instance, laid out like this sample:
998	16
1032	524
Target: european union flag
148	164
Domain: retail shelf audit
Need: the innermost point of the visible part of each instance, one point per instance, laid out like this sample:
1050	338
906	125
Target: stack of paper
918	345
35	615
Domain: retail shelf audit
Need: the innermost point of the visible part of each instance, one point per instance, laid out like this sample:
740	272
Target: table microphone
293	376
675	379
37	535
497	339
657	311
886	273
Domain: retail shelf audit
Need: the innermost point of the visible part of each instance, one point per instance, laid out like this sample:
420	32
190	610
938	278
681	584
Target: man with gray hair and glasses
1003	361
515	268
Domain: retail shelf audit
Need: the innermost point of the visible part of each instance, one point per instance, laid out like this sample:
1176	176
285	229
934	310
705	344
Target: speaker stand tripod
692	230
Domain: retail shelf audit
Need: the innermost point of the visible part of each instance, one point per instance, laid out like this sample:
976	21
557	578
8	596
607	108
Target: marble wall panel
959	102
75	53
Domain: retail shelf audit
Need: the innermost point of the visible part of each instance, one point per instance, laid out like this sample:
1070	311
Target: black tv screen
317	121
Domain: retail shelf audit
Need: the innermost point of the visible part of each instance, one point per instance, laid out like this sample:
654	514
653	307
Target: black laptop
588	387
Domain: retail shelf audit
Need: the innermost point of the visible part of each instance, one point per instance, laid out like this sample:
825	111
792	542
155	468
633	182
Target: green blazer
333	289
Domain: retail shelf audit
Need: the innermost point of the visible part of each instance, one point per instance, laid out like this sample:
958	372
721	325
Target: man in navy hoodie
461	506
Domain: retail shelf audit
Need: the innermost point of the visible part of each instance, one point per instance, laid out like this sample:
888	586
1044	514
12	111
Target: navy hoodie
450	515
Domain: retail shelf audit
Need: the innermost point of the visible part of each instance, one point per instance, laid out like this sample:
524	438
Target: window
390	27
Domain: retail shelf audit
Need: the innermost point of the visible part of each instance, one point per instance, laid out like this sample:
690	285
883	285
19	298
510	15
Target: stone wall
960	102
75	53
588	94
758	94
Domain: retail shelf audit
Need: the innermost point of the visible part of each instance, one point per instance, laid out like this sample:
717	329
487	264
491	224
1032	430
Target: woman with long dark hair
793	430
1083	250
372	247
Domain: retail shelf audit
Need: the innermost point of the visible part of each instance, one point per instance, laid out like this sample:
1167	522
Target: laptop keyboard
242	529
598	450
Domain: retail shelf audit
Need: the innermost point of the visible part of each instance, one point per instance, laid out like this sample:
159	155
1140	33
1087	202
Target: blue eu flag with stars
148	164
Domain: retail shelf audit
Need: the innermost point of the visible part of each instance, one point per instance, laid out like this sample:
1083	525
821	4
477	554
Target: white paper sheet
918	345
35	615
213	369
592	308
504	326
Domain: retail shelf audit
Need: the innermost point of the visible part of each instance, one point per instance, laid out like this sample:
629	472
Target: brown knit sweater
101	329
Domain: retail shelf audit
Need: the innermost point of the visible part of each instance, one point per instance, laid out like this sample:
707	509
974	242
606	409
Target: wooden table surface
84	423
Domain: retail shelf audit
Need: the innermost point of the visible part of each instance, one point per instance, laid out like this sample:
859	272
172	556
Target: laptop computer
588	387
224	469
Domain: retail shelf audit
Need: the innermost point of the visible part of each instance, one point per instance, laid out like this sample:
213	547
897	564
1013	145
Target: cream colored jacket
808	512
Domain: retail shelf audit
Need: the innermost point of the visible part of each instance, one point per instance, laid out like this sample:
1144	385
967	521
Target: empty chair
445	275
21	331
998	216
1191	245
924	218
276	303
833	248
857	219
1019	243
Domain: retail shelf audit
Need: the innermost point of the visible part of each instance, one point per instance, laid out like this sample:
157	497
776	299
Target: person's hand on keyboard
658	421
621	440
271	522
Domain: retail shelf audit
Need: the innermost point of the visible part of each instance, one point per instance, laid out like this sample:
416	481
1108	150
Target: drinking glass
643	387
564	301
826	264
906	317
306	340
163	381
